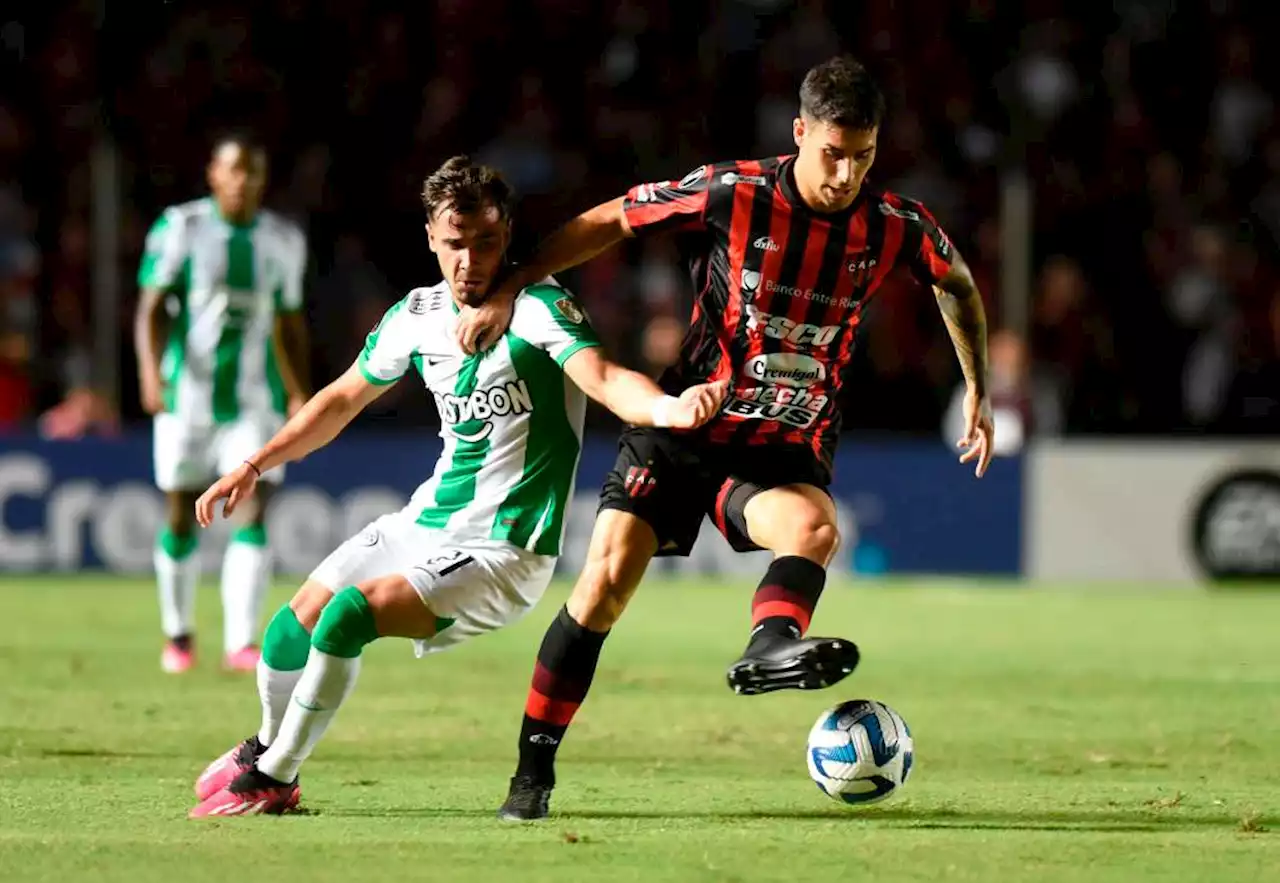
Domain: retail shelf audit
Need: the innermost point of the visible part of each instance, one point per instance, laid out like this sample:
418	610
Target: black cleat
527	800
777	662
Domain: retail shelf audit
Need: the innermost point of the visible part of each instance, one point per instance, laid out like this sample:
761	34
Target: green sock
285	648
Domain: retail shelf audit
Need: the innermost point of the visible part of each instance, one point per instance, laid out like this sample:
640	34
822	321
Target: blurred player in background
785	253
476	546
221	343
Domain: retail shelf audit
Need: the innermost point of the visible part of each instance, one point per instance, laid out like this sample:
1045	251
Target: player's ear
797	130
431	237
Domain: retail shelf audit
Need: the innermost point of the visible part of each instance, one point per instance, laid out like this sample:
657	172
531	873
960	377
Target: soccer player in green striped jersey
221	345
477	544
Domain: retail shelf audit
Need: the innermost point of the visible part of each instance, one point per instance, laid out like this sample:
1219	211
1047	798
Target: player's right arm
645	208
386	356
163	270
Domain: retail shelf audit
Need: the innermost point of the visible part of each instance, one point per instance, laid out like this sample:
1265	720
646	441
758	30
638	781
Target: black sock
561	678
784	602
182	642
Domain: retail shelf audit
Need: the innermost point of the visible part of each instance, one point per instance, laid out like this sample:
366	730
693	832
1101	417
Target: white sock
246	569
275	688
176	579
325	684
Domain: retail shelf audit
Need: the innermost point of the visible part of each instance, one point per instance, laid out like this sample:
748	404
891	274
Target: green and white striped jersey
225	285
510	419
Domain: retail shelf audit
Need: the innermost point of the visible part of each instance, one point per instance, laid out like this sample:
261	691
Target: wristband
256	470
661	413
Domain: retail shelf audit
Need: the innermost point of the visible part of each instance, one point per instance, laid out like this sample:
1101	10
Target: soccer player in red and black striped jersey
786	254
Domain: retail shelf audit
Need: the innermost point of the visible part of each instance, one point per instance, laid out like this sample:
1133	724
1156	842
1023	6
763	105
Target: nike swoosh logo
433	360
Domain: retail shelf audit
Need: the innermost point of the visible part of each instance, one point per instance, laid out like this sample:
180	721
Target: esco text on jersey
782	328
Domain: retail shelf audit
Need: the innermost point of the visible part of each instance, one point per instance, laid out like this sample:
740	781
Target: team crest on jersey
861	267
570	310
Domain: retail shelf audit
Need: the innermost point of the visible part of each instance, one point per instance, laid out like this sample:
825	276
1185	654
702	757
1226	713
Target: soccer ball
860	751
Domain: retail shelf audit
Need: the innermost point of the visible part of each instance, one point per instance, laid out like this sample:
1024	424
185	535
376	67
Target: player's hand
152	393
698	404
235	487
979	432
480	327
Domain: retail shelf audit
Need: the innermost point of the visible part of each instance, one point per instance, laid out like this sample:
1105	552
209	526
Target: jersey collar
787	184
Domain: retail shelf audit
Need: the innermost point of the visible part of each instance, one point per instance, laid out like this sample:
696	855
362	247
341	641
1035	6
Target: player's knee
814	536
345	626
309	602
824	540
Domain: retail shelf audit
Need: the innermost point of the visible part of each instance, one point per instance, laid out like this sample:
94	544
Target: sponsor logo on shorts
470	418
786	369
639	481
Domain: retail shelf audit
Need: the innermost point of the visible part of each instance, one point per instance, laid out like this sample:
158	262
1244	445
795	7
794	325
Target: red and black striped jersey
780	290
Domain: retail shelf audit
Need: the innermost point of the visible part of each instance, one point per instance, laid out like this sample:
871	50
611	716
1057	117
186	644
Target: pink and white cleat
244	659
178	656
250	794
223	771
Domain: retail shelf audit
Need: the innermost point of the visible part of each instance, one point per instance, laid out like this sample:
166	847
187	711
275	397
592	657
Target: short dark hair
466	186
841	91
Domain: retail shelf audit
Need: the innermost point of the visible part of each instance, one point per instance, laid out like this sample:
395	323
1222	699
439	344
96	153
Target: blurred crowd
1147	129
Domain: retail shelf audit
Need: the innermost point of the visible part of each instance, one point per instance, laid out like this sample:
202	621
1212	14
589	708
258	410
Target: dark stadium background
1139	269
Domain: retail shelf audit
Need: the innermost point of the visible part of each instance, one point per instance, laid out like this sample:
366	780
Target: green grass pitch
1060	736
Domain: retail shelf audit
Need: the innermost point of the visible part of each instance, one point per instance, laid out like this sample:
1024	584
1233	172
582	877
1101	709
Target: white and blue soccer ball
859	752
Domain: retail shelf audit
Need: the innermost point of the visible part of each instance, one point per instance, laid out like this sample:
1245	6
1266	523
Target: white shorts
482	585
190	456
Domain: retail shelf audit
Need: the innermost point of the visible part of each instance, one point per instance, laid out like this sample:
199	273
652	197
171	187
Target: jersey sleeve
289	297
670	205
931	261
389	348
164	255
550	318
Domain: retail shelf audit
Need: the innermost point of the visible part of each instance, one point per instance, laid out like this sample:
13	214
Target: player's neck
243	218
811	198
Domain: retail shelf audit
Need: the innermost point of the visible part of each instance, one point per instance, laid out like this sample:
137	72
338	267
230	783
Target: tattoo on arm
961	306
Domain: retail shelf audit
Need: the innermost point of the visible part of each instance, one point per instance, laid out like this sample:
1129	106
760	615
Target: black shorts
671	480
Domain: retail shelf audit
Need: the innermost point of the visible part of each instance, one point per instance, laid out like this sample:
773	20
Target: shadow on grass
1136	820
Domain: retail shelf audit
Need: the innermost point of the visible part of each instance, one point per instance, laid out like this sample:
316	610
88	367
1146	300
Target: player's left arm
289	337
638	400
550	318
938	264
